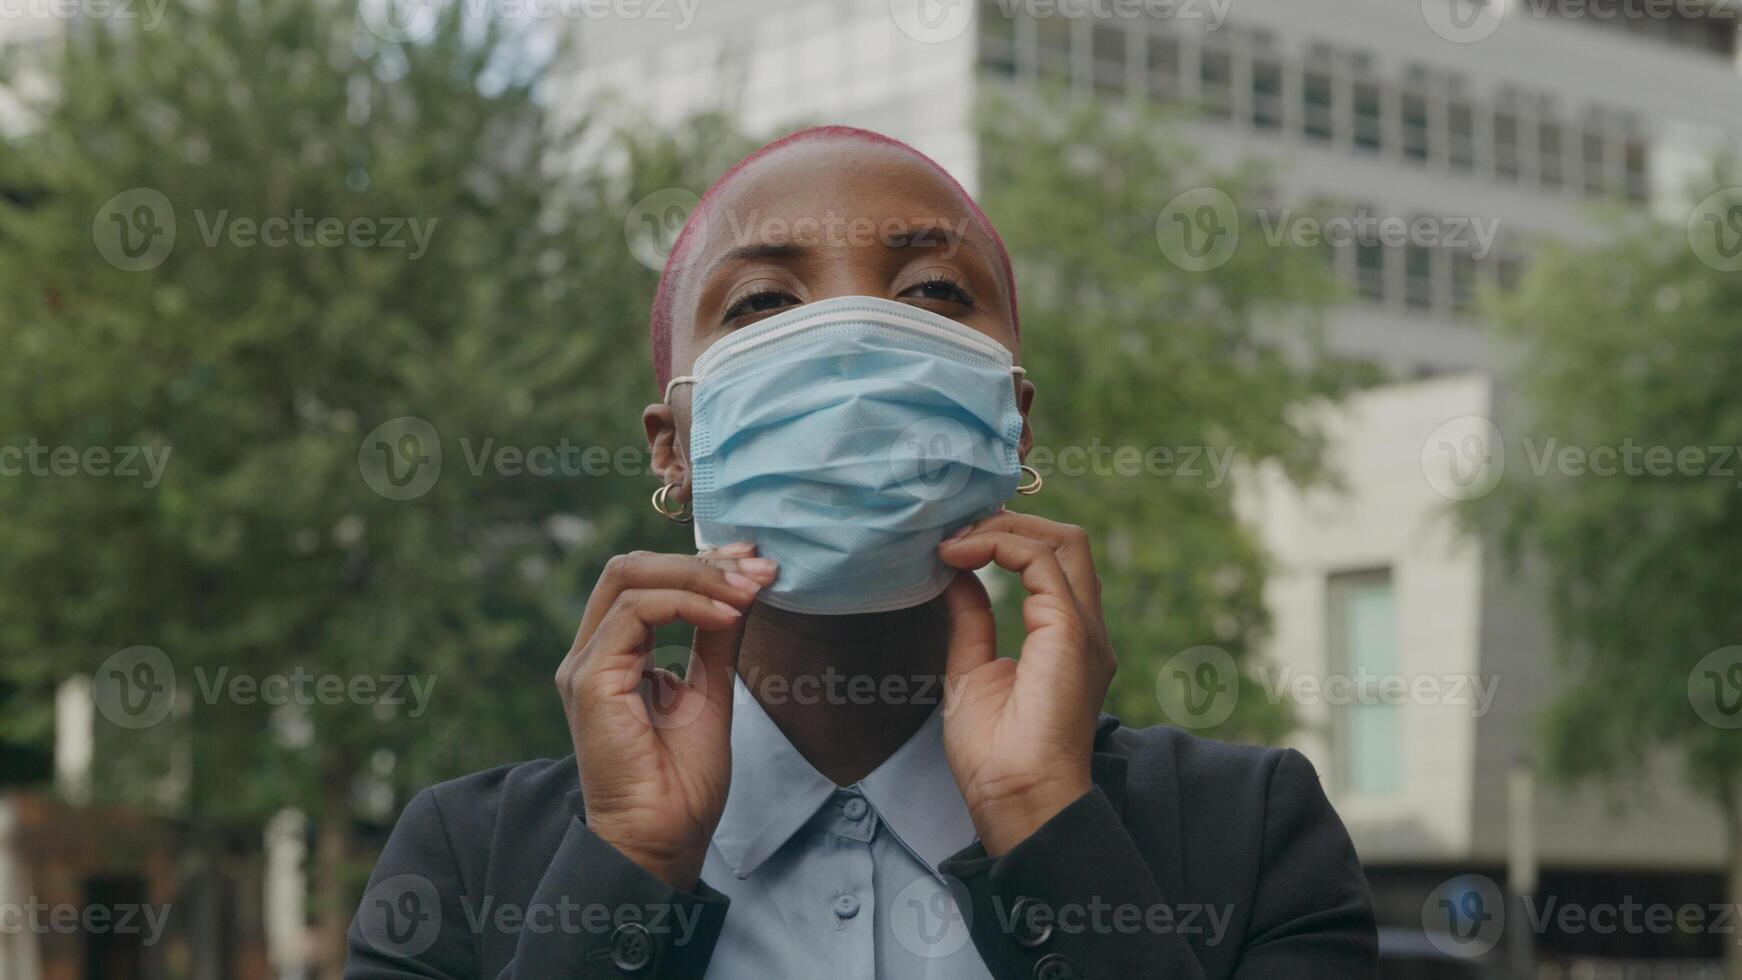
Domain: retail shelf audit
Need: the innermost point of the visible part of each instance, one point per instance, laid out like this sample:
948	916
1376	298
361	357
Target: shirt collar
774	792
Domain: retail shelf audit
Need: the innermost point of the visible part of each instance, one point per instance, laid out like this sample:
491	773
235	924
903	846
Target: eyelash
745	304
940	279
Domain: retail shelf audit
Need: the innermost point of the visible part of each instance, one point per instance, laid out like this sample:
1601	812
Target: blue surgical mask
847	438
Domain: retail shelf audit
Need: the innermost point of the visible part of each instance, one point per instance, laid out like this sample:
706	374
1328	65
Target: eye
761	301
940	288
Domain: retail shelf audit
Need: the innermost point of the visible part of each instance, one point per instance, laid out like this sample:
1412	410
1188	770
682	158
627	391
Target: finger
616	654
973	634
733	580
1035	562
1070	541
714	663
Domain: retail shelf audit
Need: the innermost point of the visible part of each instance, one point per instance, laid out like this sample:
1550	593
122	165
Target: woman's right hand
655	766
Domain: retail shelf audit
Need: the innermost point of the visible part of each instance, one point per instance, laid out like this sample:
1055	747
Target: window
1463	281
1506	145
1369	117
1107	45
1369	260
1053	41
1461	135
1163	66
1418	277
1416	140
997	39
1596	161
1267	93
1366	732
1318	121
1216	73
1551	166
1634	157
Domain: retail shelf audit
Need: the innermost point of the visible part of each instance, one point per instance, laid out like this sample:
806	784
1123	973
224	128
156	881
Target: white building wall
1459	616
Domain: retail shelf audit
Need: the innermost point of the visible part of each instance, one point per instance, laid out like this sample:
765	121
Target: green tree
1635	342
1151	328
423	265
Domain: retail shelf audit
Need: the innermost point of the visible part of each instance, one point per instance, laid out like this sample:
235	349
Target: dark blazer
496	875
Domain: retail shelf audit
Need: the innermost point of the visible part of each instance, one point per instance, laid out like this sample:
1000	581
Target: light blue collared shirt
836	882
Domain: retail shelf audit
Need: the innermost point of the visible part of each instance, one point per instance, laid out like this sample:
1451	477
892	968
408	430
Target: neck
846	691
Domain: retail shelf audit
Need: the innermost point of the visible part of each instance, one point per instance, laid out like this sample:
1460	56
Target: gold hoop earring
1031	488
680	516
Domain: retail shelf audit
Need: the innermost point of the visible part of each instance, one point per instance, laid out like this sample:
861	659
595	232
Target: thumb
714	663
973	633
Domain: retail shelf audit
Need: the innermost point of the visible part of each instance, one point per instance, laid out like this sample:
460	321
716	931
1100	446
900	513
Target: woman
849	781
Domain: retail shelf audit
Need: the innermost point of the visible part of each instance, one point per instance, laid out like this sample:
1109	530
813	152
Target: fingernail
961	532
743	582
734	613
739	548
763	567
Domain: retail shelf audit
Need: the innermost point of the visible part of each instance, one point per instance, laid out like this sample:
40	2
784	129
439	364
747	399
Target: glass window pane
1416	141
1053	40
1217	77
1316	113
1369	107
1363	623
1548	154
1163	66
1461	135
1267	94
1418	279
1506	145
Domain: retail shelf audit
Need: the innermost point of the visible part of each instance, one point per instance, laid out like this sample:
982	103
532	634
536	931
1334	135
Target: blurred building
1519	118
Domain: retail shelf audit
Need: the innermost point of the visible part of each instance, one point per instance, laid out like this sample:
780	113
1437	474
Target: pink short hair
660	323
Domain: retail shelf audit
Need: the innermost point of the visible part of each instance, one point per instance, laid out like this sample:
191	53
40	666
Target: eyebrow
939	235
760	252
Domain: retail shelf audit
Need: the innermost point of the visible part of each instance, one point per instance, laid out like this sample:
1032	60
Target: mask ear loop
687	379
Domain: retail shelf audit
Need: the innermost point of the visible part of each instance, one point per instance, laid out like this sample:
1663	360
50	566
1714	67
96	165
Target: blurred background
1388	349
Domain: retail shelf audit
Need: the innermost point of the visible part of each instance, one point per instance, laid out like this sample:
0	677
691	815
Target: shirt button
1055	967
631	947
846	906
856	808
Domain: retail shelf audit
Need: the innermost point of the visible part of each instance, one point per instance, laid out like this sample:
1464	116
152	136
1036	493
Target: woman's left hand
1019	734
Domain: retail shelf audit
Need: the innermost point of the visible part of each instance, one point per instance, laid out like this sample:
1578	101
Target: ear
1025	401
667	450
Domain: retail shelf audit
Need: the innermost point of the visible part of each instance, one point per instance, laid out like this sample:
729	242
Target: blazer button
1055	966
1024	929
632	947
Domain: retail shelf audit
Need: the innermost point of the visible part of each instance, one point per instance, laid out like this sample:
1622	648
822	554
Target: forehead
824	190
